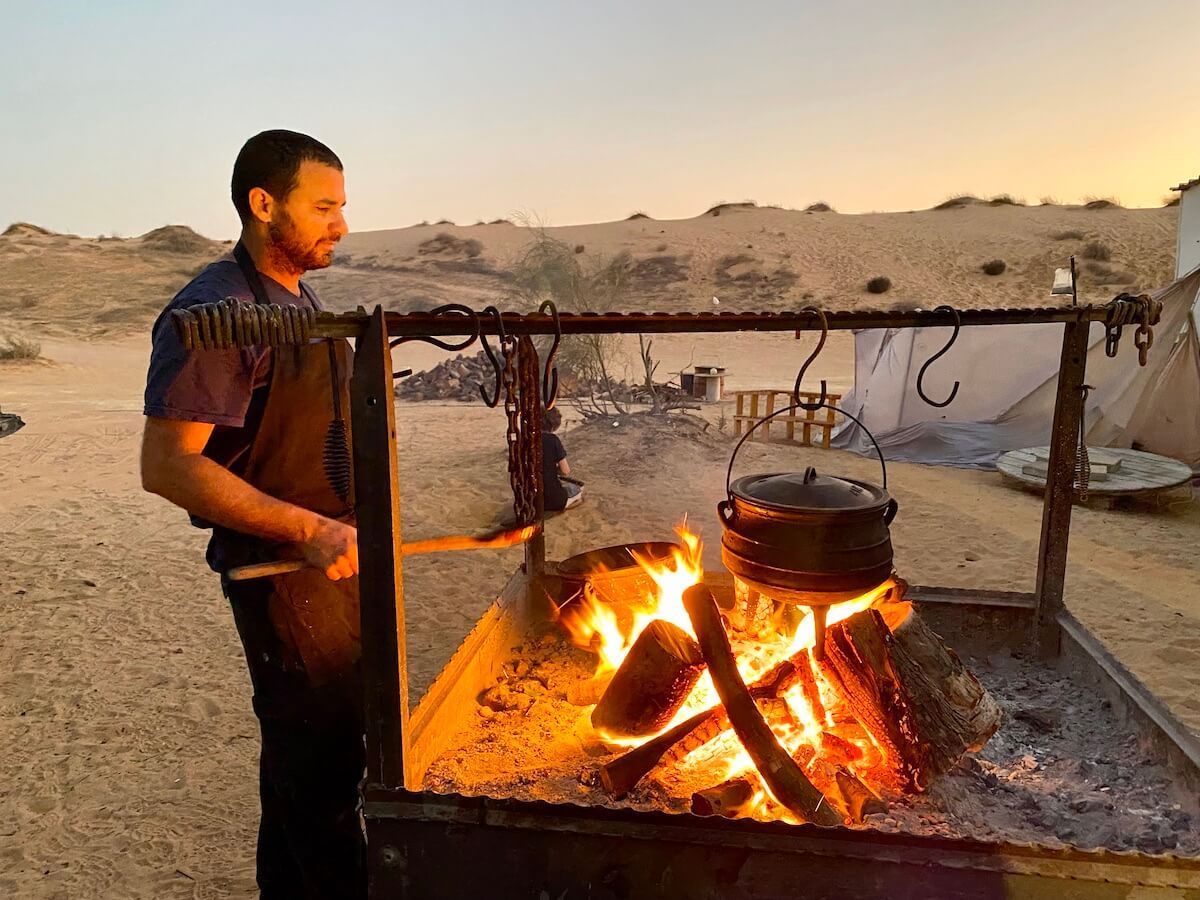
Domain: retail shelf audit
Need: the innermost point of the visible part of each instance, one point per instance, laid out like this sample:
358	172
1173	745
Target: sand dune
750	258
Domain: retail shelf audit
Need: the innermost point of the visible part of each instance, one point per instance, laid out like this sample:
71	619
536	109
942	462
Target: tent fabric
1008	378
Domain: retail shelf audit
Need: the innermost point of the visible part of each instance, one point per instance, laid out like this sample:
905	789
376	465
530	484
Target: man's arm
174	467
564	468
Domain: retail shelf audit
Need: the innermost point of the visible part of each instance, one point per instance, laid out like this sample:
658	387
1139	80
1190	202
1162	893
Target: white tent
1008	377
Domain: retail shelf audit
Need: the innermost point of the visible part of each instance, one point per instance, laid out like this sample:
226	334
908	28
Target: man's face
307	225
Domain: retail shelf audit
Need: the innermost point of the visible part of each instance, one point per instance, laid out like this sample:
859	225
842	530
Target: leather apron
316	620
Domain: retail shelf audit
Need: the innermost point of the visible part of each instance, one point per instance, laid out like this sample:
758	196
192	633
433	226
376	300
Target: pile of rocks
454	379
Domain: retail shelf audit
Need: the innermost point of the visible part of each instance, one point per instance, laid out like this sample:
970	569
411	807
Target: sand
130	763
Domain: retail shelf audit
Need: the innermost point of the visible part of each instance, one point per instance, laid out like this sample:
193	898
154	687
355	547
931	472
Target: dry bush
1171	200
176	239
446	243
958	202
1101	203
1068	236
424	223
25	228
819	207
717	208
1005	200
880	284
443	222
994	267
1105	274
1096	250
500	222
14	348
658	271
1048	201
579	248
637	214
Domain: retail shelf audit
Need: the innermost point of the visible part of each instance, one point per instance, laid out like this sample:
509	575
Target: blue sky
123	116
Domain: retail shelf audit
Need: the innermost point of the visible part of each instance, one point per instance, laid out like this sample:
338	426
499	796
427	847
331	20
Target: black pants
310	840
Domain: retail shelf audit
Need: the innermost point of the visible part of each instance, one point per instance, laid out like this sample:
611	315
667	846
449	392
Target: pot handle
780	412
890	512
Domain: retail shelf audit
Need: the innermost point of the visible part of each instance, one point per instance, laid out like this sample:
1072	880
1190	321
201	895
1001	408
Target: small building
1187	248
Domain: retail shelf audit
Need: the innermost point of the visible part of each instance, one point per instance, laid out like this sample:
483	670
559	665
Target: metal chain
521	407
1126	310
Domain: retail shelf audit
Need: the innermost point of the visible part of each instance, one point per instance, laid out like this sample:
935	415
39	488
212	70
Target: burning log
912	694
857	800
587	693
660	671
783	778
622	774
725	799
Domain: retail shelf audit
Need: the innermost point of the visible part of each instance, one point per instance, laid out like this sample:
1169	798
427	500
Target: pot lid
808	490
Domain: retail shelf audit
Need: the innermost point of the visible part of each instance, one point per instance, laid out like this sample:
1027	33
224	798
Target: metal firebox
423	844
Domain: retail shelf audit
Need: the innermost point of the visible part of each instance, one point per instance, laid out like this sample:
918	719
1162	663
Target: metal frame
398	813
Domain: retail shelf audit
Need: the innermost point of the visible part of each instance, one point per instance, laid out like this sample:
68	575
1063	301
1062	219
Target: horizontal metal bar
971	597
537	821
427	324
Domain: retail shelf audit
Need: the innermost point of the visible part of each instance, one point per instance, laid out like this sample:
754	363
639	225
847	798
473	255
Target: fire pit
503	781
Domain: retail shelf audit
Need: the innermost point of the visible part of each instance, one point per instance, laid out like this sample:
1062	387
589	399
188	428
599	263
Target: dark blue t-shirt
225	388
213	386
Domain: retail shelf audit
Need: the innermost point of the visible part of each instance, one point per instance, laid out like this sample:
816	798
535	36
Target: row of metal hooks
822	401
550	370
505	345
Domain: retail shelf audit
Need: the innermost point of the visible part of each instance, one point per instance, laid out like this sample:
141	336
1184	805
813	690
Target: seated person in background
559	495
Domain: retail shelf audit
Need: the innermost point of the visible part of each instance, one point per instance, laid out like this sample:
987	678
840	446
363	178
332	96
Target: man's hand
333	548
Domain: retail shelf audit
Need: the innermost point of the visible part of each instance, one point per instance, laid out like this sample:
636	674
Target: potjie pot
807	538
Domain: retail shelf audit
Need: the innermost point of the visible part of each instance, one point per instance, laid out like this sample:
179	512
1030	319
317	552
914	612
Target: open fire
796	734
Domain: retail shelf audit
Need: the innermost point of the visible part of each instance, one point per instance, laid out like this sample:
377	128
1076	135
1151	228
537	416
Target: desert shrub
579	248
994	267
1005	200
819	207
1101	203
958	202
444	242
637	214
1171	200
25	228
1048	201
718	208
880	284
500	222
19	348
1097	250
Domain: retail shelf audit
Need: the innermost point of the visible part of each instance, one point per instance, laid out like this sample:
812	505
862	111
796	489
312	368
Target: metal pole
1060	486
381	582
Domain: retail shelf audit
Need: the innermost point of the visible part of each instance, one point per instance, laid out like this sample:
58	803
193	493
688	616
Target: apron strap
253	278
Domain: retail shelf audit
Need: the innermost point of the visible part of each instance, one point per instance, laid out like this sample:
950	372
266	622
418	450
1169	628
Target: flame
595	626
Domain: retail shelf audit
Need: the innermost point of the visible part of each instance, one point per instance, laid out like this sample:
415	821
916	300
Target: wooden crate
754	405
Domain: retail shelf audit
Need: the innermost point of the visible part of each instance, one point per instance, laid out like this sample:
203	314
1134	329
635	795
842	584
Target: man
235	438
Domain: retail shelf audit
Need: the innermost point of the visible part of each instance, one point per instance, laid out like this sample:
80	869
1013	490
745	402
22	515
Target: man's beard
288	252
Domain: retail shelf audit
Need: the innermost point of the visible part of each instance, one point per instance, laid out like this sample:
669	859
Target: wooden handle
494	540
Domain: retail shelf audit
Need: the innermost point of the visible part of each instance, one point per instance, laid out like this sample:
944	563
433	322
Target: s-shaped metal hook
493	401
550	374
808	362
937	356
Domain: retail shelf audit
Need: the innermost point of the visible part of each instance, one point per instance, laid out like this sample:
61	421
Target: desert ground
130	747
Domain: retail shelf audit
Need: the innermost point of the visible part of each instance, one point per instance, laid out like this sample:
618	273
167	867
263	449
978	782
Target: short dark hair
271	160
551	419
